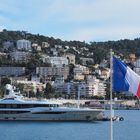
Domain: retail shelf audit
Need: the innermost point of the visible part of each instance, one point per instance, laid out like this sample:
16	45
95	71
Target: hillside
98	50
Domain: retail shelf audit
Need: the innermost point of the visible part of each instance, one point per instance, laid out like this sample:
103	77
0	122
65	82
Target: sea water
129	129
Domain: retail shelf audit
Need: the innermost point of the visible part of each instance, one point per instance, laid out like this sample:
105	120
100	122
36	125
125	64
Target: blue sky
84	20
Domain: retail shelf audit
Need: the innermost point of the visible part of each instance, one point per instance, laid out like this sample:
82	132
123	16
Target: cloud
73	19
104	33
77	11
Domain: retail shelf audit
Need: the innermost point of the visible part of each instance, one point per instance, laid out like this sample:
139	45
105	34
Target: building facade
12	71
24	45
71	58
56	61
19	56
80	72
137	66
53	71
45	44
8	44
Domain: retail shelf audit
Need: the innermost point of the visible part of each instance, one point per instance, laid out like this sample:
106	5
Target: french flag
124	78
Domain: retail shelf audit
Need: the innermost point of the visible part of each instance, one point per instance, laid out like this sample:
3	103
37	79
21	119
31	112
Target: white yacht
13	107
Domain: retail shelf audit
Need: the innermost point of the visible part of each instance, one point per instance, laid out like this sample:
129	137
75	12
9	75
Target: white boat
14	108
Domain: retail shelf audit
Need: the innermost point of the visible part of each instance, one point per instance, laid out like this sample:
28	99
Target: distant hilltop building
58	46
3	56
12	71
53	71
80	72
36	47
85	61
24	45
56	61
8	44
71	58
19	56
132	57
45	45
54	52
137	66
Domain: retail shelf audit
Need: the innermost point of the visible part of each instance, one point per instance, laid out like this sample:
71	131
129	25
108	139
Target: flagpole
111	81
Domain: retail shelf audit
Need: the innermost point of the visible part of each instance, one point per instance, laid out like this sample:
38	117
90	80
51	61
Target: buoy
121	118
117	118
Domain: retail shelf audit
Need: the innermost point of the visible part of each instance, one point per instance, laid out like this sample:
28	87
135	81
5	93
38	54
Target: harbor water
41	130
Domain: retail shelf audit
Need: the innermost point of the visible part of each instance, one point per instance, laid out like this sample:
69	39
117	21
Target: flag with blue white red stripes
124	78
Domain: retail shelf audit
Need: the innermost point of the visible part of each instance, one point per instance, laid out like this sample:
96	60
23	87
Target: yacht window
13	112
2	105
8	106
24	105
52	105
14	106
53	112
7	91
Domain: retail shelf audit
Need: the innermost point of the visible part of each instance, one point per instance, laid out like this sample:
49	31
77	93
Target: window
13	112
27	105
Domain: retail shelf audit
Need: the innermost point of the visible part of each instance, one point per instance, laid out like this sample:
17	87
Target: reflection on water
43	130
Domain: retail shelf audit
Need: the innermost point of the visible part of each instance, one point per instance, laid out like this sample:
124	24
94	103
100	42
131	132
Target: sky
83	20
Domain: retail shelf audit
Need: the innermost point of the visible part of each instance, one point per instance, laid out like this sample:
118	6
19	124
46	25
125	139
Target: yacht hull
54	116
13	107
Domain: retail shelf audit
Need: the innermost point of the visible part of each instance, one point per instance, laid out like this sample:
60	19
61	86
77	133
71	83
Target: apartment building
71	58
56	61
19	56
23	45
12	71
53	71
80	72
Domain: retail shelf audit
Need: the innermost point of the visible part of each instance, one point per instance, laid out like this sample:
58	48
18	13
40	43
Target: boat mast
111	81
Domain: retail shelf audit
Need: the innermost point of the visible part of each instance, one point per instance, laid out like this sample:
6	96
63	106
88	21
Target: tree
20	87
5	81
49	91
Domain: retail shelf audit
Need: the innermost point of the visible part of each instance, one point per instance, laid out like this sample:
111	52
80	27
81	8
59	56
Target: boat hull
54	116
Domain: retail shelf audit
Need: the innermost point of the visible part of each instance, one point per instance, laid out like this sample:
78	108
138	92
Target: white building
54	52
95	87
80	71
24	45
45	44
19	56
85	61
53	71
71	58
67	88
137	66
56	61
31	85
98	71
36	47
105	74
81	89
12	71
58	46
92	88
59	79
8	44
